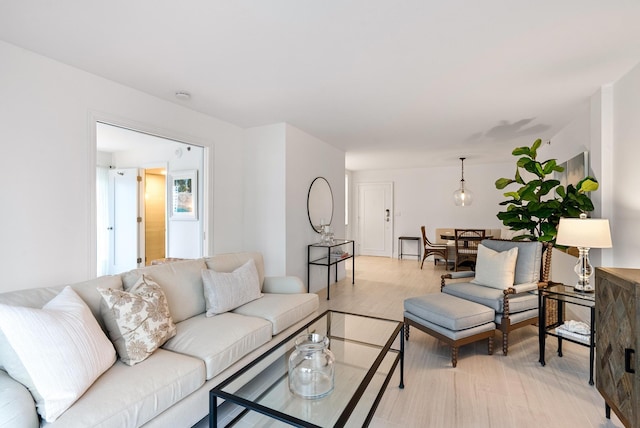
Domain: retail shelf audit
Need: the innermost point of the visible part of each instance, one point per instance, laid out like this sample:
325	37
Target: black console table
330	258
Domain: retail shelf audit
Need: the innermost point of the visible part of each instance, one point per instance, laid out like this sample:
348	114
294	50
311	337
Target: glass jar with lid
311	367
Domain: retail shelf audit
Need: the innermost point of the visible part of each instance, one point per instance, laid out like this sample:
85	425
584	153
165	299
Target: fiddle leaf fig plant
537	205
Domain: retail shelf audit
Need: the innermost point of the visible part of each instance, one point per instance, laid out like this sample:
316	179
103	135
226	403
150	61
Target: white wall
609	129
424	196
308	158
626	179
264	195
281	161
48	165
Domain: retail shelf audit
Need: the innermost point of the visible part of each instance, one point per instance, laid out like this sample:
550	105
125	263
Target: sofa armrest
283	285
17	408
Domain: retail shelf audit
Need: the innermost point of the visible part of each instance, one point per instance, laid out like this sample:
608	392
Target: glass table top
364	361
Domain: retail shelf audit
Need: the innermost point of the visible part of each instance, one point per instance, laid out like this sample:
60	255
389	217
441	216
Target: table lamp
584	233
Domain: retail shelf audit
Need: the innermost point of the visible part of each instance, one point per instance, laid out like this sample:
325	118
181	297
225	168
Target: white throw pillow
495	269
57	351
138	320
225	291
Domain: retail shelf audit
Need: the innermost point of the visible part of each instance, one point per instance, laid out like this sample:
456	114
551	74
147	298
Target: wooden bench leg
454	356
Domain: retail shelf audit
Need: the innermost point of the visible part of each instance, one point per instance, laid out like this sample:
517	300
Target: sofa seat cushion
492	297
219	341
281	310
129	396
181	283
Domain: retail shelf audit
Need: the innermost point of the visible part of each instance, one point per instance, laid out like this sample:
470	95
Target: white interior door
125	220
375	219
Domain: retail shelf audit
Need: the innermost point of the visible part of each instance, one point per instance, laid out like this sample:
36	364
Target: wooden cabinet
618	327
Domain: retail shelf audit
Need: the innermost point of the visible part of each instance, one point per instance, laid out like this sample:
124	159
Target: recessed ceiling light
182	95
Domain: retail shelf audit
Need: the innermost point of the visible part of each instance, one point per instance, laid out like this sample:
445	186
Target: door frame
388	252
207	181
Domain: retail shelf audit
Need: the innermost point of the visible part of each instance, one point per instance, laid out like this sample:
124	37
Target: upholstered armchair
504	281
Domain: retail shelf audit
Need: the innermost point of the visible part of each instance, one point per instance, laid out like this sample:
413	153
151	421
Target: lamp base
580	288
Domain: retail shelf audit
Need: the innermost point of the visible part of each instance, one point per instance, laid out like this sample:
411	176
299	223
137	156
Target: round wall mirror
320	203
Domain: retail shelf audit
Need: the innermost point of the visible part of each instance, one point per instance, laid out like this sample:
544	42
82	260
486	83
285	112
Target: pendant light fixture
462	196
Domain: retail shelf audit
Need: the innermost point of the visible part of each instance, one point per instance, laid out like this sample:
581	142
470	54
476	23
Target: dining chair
466	247
435	250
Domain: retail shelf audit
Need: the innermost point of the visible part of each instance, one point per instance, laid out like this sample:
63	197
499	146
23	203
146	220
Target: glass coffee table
365	360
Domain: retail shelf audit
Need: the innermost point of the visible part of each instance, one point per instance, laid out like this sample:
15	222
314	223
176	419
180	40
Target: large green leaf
547	186
588	184
514	195
534	148
501	183
549	166
519	151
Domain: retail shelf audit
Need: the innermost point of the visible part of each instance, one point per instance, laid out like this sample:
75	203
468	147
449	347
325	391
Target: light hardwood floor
483	390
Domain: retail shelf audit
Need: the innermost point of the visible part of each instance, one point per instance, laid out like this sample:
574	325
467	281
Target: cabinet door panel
616	319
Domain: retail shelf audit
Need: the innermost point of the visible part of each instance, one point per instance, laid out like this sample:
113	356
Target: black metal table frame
580	299
409	238
327	262
291	420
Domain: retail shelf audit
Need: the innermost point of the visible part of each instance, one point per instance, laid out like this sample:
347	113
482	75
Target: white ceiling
396	84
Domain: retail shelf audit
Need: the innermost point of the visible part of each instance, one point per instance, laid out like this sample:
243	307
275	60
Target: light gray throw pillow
224	291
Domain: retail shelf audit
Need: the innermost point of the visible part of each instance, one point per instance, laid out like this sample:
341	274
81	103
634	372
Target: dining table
450	238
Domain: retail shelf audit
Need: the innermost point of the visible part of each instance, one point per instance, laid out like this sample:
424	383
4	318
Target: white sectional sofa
170	388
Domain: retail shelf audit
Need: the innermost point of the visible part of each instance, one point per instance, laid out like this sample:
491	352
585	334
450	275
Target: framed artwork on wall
184	195
575	169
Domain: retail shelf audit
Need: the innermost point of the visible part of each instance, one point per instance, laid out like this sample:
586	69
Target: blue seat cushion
491	297
448	311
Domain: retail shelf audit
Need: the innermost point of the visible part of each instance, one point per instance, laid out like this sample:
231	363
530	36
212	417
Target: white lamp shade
584	232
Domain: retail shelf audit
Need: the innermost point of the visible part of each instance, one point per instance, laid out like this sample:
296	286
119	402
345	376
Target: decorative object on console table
584	233
618	320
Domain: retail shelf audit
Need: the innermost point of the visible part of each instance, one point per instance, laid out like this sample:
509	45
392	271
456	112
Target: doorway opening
134	224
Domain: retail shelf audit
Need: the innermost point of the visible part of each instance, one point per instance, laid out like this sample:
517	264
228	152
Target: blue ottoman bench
450	319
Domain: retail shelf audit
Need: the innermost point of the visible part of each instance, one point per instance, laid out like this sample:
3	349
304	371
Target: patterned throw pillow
138	320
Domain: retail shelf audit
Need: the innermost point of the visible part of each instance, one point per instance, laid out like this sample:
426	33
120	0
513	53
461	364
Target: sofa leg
491	346
505	343
406	331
